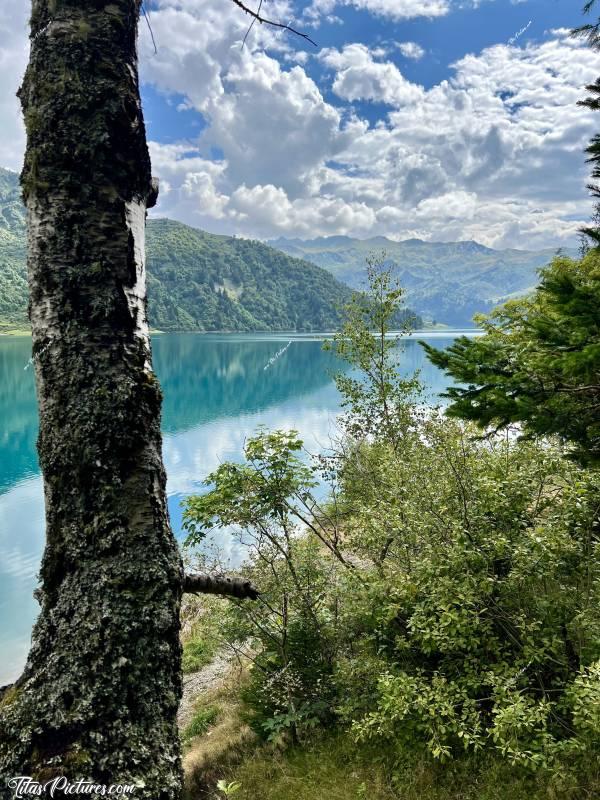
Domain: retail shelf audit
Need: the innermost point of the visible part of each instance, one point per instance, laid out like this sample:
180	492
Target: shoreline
437	331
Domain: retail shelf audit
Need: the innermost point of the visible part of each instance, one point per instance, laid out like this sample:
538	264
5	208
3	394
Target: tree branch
257	17
239	588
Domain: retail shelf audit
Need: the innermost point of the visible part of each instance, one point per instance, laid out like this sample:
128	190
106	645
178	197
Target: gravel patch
194	683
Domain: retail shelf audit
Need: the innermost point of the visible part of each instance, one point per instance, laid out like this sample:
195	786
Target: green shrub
484	612
445	597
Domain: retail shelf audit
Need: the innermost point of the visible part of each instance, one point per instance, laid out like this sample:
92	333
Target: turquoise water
217	390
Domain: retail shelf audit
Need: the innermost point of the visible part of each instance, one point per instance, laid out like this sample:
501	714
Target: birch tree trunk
100	691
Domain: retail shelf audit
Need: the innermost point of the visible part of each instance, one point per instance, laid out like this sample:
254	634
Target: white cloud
359	77
268	208
391	9
495	153
273	122
411	50
268	120
14	49
188	184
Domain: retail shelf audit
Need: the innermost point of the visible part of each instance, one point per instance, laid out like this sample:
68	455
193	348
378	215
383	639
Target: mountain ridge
197	281
212	282
444	281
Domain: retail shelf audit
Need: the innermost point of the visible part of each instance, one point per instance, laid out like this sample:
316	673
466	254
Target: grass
14	331
200	634
322	770
220	747
335	768
203	719
197	653
226	740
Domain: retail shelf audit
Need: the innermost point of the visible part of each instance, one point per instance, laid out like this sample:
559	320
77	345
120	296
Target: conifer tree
538	363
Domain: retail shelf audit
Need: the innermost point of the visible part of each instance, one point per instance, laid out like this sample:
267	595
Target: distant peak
333	239
380	240
471	246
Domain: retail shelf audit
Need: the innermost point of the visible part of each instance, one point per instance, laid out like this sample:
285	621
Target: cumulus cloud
358	76
267	119
392	9
494	153
411	50
14	48
195	196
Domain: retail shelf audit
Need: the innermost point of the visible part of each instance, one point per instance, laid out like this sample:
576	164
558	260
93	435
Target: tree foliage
538	363
200	281
375	392
443	597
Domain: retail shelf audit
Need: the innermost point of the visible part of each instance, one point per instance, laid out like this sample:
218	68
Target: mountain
13	280
196	280
201	281
444	281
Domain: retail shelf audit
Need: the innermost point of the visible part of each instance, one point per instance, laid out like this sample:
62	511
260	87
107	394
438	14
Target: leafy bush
445	596
483	612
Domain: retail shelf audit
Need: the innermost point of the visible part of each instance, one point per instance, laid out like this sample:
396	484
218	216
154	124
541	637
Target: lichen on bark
100	692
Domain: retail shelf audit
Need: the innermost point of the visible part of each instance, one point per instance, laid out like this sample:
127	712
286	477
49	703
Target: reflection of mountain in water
203	378
206	378
18	413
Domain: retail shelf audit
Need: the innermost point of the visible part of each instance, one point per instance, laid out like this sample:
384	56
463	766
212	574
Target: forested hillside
13	281
196	280
444	281
199	281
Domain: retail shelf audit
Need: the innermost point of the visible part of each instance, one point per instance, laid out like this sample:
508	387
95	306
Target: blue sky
412	118
445	39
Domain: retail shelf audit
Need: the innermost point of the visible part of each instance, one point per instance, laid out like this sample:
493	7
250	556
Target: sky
442	120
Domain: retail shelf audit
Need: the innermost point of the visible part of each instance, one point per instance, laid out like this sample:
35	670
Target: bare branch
147	16
258	18
252	23
239	588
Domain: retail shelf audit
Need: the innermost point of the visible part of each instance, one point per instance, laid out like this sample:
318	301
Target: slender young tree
100	691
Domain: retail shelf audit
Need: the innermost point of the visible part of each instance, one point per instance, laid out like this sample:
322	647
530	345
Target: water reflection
18	412
216	393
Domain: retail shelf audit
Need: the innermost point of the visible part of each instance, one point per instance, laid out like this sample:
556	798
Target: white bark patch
135	215
43	314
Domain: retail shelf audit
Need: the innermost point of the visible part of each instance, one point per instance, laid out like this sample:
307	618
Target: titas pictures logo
277	355
24	787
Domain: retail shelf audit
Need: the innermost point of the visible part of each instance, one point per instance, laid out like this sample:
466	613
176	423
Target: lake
217	390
